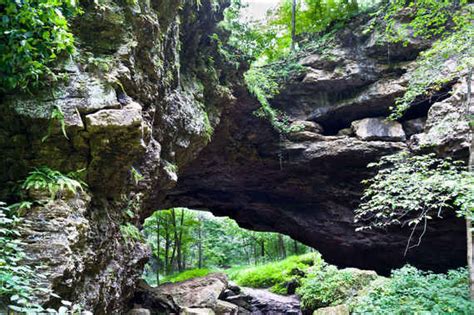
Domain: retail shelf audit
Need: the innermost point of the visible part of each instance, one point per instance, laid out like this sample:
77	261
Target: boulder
228	293
345	132
447	129
302	136
333	310
129	116
243	301
379	128
197	293
223	307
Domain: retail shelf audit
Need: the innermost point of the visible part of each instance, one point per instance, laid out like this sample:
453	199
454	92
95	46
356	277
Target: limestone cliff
158	118
136	101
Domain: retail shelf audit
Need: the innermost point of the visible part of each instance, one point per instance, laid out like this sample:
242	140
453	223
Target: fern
56	115
46	179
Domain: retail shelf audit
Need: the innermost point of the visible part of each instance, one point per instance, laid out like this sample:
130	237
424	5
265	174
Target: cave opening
188	243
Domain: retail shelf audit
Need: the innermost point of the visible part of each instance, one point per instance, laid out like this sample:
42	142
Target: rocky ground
212	294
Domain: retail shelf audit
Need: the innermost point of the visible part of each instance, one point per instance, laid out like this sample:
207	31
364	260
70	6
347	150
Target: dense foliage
17	281
410	190
184	240
411	291
262	83
33	33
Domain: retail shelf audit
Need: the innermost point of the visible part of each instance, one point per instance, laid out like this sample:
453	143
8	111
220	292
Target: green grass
186	275
275	275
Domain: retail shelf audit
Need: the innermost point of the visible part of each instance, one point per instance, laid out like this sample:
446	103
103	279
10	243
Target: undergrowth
412	291
17	281
329	286
264	83
275	275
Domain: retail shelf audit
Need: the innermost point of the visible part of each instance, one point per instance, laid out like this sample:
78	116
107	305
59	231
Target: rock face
138	105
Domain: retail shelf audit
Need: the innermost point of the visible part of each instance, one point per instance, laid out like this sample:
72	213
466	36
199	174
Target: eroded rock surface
138	105
308	183
212	294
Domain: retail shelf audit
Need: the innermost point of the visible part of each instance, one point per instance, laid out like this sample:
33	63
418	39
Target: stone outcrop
195	296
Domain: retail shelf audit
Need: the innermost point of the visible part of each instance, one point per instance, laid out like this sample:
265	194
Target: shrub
411	291
33	33
410	190
276	274
330	286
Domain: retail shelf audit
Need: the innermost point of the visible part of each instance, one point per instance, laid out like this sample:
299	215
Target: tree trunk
470	257
293	26
167	248
255	257
295	247
180	243
175	233
158	250
281	246
200	244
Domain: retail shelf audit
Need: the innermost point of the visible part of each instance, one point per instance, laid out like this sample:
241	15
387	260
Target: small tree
410	190
293	25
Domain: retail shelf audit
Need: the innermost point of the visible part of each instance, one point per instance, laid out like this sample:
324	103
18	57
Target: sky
258	8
